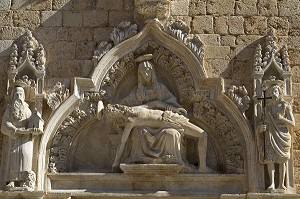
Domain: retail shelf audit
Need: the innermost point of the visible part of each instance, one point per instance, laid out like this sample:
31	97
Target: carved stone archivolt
62	141
228	136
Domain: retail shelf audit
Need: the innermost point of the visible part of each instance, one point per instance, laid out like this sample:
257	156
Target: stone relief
239	95
179	30
57	95
273	111
155	123
119	34
62	140
22	122
205	111
153	117
18	124
161	57
271	53
274	140
123	31
101	50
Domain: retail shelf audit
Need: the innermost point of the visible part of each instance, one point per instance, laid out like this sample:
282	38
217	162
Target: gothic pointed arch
178	58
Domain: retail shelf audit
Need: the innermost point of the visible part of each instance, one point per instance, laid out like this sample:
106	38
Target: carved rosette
163	58
63	138
230	141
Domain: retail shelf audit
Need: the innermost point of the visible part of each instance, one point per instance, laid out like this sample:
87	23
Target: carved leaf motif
258	59
41	58
179	30
123	31
63	138
285	59
196	46
13	58
101	50
57	95
239	95
207	112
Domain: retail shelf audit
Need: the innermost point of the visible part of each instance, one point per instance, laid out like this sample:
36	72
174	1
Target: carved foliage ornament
239	95
63	138
32	51
119	34
230	141
271	54
57	95
179	30
27	69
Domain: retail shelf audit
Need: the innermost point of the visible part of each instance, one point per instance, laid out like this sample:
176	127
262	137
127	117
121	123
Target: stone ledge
182	183
135	195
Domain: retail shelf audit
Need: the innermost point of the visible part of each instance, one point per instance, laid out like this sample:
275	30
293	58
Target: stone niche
148	121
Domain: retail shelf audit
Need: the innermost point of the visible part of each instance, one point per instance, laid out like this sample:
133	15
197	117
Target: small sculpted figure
155	123
15	125
276	144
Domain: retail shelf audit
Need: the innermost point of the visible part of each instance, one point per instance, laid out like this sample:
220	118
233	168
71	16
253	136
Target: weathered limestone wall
230	30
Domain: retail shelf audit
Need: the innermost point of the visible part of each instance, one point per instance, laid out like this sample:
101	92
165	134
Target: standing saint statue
15	124
275	144
157	143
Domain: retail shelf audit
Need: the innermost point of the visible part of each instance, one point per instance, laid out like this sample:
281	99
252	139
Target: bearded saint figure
15	123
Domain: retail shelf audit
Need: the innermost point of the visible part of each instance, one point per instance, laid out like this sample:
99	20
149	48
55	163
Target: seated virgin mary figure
156	144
